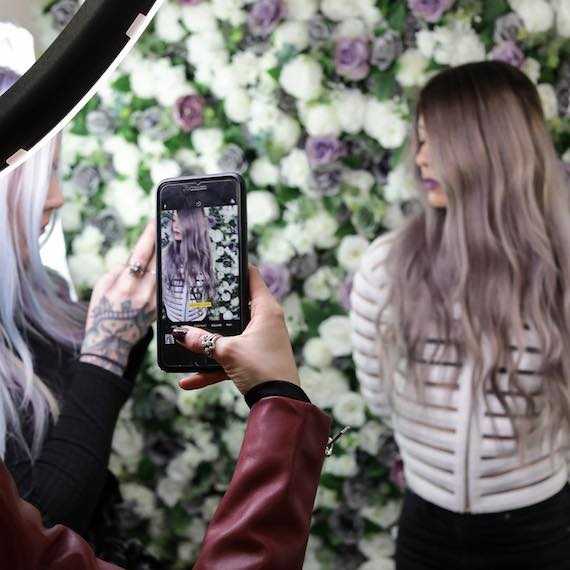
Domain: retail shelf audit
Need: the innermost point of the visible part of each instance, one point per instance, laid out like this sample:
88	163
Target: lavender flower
264	17
345	291
189	112
190	2
277	278
326	180
62	12
509	52
99	122
397	473
109	224
304	265
232	159
507	28
351	58
150	123
430	10
319	31
87	178
386	49
323	150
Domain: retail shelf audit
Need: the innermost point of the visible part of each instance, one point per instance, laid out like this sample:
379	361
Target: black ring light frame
67	75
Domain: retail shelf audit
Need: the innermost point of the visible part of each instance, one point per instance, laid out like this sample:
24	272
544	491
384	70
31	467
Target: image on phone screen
200	261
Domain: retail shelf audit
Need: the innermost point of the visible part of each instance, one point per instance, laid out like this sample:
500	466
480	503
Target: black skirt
536	537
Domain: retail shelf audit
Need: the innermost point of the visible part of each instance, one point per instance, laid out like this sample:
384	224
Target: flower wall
311	101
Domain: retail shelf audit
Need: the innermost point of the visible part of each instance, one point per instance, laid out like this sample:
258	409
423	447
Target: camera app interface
199	259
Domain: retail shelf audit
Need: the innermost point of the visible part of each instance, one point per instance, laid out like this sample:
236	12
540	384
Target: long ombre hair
500	250
192	256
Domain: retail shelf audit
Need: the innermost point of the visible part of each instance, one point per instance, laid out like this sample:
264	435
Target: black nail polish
179	334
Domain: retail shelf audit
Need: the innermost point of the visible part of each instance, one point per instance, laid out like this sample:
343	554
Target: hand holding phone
262	352
201	263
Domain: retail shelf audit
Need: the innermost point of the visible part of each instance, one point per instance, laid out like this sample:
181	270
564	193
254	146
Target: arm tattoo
112	332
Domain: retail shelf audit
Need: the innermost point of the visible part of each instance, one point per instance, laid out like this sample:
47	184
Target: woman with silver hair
65	371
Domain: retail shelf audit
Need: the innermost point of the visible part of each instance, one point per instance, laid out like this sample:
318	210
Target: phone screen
200	263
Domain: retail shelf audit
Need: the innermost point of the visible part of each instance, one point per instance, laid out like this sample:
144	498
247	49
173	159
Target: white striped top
179	297
459	450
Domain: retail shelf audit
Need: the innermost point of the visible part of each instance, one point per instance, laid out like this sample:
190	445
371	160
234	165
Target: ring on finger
209	344
136	269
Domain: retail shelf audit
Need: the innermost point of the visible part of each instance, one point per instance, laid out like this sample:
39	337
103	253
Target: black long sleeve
66	479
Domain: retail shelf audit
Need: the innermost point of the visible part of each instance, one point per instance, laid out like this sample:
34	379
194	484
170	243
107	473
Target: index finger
144	248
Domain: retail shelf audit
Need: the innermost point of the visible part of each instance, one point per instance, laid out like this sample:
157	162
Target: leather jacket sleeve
263	520
25	544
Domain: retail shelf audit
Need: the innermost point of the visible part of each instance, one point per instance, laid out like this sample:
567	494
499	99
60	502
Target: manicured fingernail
179	334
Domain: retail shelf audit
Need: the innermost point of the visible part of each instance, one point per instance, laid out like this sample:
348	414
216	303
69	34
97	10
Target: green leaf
397	18
492	9
384	85
274	72
122	84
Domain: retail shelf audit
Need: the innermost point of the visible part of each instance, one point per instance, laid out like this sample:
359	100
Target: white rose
187	402
71	216
548	100
350	106
233	437
186	552
142	499
384	123
350	251
339	10
537	15
286	132
262	208
322	120
302	78
380	563
209	507
142	80
206	47
295	169
401	184
199	17
86	268
351	28
237	105
295	34
323	387
454	45
370	13
316	353
225	81
207	141
162	169
370	437
181	469
274	247
412	69
116	256
152	147
128	199
566	156
378	546
169	491
294	317
247	67
229	11
384	516
263	173
297	236
127	441
426	41
264	115
301	9
167	23
321	229
321	284
77	145
341	466
326	498
562	8
349	410
335	331
126	156
467	49
89	240
532	68
360	179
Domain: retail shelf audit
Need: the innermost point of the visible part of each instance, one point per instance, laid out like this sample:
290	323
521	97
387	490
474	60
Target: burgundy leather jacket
262	522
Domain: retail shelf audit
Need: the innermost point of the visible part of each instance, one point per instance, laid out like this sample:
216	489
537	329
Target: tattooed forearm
112	332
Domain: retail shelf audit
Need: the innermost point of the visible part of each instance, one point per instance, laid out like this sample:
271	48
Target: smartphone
202	277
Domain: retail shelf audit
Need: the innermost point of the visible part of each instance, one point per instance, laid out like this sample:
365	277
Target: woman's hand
262	352
122	308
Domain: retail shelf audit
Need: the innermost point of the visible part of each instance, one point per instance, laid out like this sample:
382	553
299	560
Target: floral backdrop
311	101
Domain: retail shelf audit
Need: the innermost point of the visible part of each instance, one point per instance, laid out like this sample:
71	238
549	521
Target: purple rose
351	58
62	12
264	17
277	278
509	52
430	10
189	112
345	291
397	473
189	2
386	49
323	150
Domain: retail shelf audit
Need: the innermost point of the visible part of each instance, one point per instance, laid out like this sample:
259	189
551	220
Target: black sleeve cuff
275	388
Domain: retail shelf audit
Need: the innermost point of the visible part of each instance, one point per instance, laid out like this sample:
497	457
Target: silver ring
136	269
209	344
